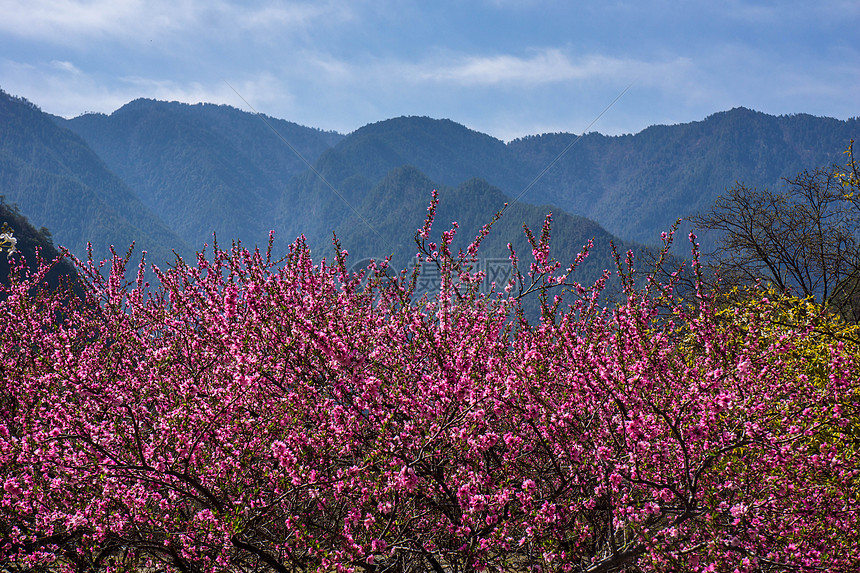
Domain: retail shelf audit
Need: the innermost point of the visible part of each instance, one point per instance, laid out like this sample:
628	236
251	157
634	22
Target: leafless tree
804	240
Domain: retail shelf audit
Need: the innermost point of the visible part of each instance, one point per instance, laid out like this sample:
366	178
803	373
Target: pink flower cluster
246	416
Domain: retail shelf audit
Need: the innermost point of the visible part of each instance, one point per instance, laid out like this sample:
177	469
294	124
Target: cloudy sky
503	67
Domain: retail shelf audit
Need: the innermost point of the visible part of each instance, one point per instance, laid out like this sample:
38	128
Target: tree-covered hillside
58	182
386	172
447	152
203	168
472	205
638	185
635	186
25	241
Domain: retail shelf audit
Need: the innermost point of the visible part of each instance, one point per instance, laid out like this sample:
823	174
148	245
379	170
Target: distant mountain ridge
637	185
202	168
174	174
445	151
58	182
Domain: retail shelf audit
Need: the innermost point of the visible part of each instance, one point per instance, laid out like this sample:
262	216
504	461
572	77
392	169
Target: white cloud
325	67
260	91
548	66
61	88
58	87
65	66
544	67
58	20
76	22
285	15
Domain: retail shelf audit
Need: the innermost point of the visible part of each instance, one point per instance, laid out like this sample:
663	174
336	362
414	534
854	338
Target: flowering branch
7	241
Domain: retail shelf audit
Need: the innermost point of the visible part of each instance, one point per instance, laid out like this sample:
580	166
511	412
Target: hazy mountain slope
59	183
314	204
635	186
203	168
28	241
449	153
446	152
638	185
396	207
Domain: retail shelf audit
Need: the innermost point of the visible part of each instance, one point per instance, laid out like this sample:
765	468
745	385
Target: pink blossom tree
256	415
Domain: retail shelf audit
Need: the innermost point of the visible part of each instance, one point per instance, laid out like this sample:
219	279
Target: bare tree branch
804	240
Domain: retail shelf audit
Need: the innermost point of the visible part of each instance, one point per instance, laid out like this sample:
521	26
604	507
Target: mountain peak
422	123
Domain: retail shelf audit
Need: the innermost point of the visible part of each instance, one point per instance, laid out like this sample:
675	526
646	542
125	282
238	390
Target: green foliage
815	340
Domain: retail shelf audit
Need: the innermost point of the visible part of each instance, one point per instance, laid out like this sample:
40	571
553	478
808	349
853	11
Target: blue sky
504	67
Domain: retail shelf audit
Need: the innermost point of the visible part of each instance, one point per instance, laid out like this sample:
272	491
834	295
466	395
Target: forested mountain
446	152
386	172
390	231
202	168
637	185
171	174
29	241
59	183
